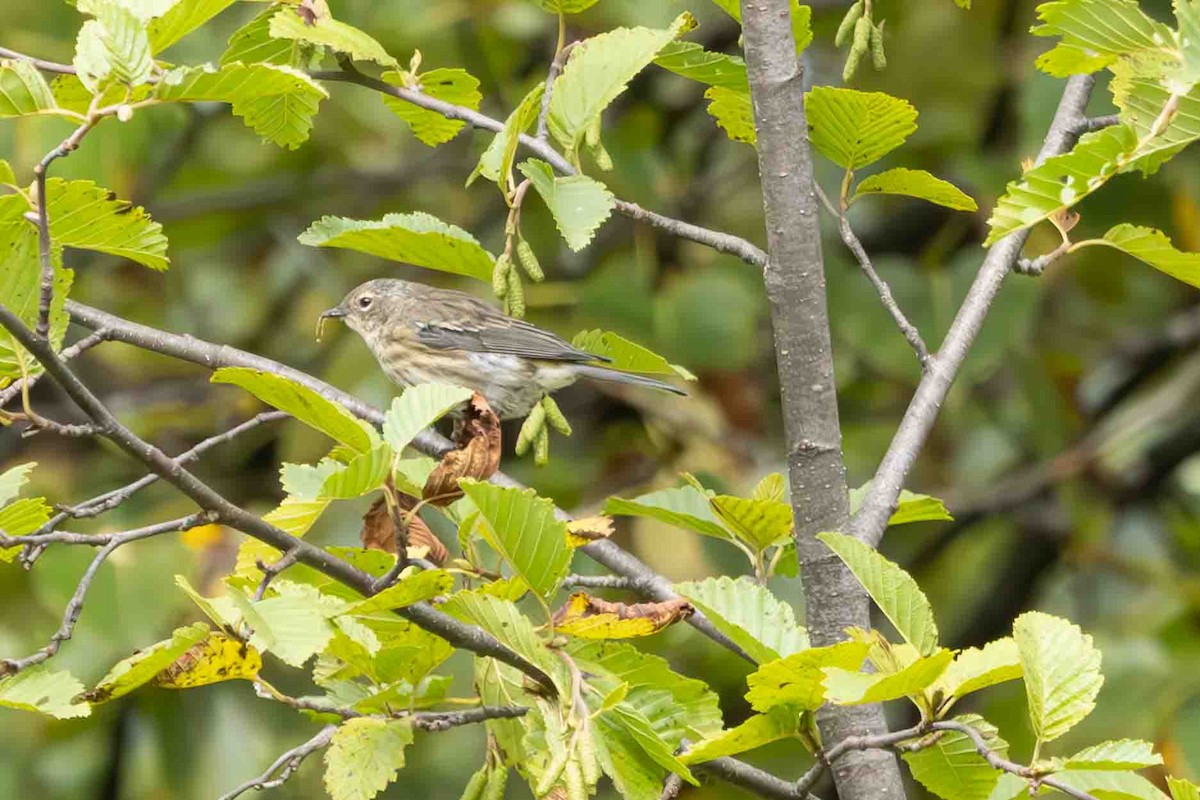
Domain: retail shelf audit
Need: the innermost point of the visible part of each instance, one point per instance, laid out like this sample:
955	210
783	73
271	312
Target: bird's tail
606	374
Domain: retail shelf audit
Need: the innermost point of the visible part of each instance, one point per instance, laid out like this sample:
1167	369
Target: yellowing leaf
845	687
593	618
758	730
326	31
732	110
974	668
759	523
799	679
218	658
141	667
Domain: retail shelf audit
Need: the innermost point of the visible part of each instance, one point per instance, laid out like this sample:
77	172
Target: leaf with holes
38	689
304	404
598	70
364	756
916	183
892	589
23	90
275	101
951	766
1062	672
626	355
853	128
578	203
141	667
88	217
181	19
415	238
746	611
524	530
325	31
1152	246
455	86
113	46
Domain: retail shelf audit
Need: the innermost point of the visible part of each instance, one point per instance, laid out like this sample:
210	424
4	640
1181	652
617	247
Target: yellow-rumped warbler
420	334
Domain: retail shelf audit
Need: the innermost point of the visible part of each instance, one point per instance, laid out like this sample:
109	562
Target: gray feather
606	374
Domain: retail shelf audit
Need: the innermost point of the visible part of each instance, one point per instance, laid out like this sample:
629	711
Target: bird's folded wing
507	336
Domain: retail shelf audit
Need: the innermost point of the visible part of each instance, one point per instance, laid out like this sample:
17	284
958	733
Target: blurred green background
1067	450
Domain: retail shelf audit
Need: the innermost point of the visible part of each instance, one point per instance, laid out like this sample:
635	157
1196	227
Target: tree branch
871	520
47	66
422	614
211	356
282	768
721	242
68	353
795	283
75	606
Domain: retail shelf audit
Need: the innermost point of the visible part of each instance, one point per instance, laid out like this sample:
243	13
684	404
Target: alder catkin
553	770
475	786
516	294
878	59
541	448
585	745
497	780
554	416
858	48
533	425
529	261
848	21
573	778
500	276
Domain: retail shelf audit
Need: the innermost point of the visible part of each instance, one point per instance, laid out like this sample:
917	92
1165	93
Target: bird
422	334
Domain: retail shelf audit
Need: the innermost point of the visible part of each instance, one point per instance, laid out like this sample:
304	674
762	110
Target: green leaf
801	19
7	176
1111	785
1183	790
113	46
11	481
799	679
20	282
296	515
771	487
1103	29
952	768
578	203
1152	246
455	86
410	589
916	183
853	128
275	101
1124	754
294	624
677	706
1062	672
497	160
304	481
328	32
88	217
692	61
978	668
366	472
846	687
732	110
756	731
623	720
23	90
302	403
418	408
415	238
626	355
910	507
141	667
38	689
503	620
758	523
746	611
684	507
523	529
253	44
597	72
566	6
21	518
364	756
181	19
499	684
1064	60
892	589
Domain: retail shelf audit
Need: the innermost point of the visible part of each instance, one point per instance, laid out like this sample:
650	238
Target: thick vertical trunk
795	282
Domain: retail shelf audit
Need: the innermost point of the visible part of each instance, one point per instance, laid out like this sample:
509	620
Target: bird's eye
365	301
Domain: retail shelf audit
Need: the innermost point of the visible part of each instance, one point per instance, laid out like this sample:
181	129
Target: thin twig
1090	124
911	334
48	66
721	242
671	787
269	571
75	606
68	353
914	429
282	768
850	744
597	582
556	66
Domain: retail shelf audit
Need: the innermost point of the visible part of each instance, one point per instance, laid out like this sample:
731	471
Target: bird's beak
333	313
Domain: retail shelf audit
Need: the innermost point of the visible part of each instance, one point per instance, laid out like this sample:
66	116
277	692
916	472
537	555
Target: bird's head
369	307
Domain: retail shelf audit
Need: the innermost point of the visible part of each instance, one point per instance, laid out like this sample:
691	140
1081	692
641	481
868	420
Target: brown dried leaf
593	618
379	530
588	529
477	455
1065	219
